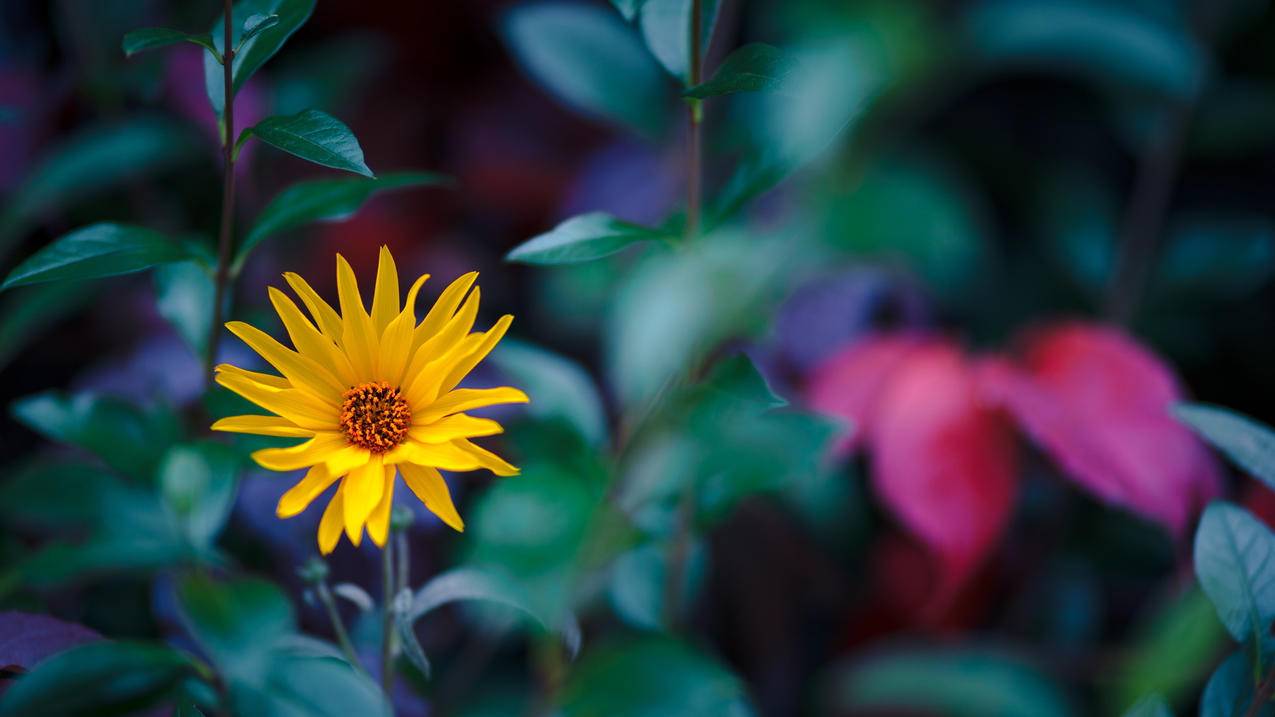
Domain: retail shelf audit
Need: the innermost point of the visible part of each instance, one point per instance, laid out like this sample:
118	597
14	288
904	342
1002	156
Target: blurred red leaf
943	462
1098	403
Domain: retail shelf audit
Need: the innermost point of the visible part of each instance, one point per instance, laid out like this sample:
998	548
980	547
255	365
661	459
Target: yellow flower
372	394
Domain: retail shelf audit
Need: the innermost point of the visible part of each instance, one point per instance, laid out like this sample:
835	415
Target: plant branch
338	626
1264	692
695	159
225	239
678	556
387	622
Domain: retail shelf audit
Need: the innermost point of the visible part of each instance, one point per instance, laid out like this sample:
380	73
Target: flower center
375	416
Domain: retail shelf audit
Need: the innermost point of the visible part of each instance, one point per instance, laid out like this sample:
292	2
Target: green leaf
1229	692
313	136
238	622
958	682
666	27
325	200
302	685
628	8
557	386
1248	443
652	677
255	25
91	161
736	377
638	577
1151	706
752	68
100	678
127	438
592	60
184	295
583	238
197	481
1112	44
259	48
1235	564
59	495
150	38
96	251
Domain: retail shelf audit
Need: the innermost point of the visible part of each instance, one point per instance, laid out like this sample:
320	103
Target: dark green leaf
638	577
1173	651
558	387
666	27
126	437
198	484
300	685
1229	692
184	295
751	68
1152	706
96	251
955	682
100	678
239	623
325	200
1235	564
254	53
1250	444
150	38
1111	43
628	8
736	377
583	238
591	59
67	495
652	677
255	25
313	136
28	313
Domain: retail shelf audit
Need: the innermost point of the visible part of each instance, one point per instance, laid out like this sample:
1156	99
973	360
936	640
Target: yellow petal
265	379
309	341
459	425
443	309
294	405
363	490
356	334
385	295
423	382
347	459
299	496
431	489
463	399
396	346
262	426
378	524
301	371
324	315
331	523
438	455
486	458
410	303
469	361
302	455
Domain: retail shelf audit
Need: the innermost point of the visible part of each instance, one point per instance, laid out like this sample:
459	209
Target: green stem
695	161
1261	696
387	622
338	626
225	239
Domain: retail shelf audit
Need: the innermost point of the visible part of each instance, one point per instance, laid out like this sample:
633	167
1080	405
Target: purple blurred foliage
832	311
160	365
27	638
184	84
634	181
20	129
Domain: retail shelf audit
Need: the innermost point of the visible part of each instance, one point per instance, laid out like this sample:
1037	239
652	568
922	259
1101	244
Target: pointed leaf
666	27
583	238
96	251
1229	692
313	136
751	68
254	53
150	38
1248	443
184	295
1235	564
100	678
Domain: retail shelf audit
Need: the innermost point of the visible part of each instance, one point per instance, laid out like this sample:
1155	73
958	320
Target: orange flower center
375	416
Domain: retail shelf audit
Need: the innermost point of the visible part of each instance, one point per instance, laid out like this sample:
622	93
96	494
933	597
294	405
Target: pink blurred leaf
1098	403
27	638
943	462
848	384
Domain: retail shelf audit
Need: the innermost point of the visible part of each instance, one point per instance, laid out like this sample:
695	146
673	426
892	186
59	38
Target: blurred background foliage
683	539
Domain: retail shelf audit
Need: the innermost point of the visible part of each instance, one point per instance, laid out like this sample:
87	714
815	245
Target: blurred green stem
225	238
387	623
694	150
678	552
338	626
1263	695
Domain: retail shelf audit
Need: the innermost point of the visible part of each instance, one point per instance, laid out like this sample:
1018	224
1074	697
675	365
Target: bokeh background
1000	166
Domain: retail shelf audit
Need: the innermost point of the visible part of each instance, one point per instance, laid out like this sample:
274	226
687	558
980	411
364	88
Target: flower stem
695	160
225	238
387	622
1261	696
338	626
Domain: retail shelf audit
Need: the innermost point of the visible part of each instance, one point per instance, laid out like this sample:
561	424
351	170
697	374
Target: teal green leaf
583	238
1235	564
304	685
90	162
238	622
254	26
197	481
313	136
1229	691
638	578
129	439
100	678
736	377
628	8
327	200
259	48
557	386
184	295
1111	44
752	68
652	677
592	60
96	251
666	27
1248	443
1151	706
150	38
54	495
959	682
